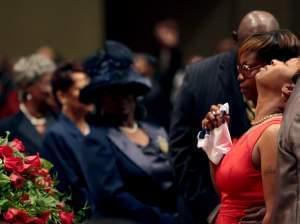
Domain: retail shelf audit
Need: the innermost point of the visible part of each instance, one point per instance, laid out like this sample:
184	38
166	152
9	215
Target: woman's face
118	105
248	67
276	74
40	92
70	98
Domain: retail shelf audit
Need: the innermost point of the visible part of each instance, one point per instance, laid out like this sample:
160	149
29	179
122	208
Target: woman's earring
28	97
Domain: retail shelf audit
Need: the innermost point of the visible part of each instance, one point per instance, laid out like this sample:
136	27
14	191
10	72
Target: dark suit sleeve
57	152
106	184
190	164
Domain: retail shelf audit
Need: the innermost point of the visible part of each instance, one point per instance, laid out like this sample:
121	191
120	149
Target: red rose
16	180
45	216
24	197
14	215
6	151
45	182
18	145
35	220
43	172
36	172
32	161
14	164
66	217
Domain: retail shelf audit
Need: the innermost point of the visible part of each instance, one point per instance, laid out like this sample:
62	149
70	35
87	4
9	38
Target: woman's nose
274	61
240	77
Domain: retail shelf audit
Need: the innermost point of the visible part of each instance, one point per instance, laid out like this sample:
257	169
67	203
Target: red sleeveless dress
237	180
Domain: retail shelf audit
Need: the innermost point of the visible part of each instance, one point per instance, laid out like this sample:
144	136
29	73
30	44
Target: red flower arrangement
27	190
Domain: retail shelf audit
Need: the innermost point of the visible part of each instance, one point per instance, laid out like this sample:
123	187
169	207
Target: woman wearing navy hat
127	172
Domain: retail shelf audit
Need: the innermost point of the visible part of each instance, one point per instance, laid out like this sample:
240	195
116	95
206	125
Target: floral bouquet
27	191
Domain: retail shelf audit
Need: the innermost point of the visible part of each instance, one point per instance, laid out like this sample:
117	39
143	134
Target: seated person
32	78
64	138
127	170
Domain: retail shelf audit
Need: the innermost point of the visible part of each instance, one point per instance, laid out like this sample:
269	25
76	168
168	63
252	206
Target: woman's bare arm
267	150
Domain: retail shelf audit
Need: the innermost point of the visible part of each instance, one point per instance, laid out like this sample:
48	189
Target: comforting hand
253	215
214	118
287	90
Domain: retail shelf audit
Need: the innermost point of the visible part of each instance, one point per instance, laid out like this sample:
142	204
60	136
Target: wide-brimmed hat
111	69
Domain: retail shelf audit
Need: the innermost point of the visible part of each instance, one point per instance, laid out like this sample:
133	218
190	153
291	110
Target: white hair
30	69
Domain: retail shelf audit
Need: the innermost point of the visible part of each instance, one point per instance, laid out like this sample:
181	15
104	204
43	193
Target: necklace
130	130
265	118
33	120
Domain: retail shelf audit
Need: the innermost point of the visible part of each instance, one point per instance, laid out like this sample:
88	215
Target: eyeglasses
246	70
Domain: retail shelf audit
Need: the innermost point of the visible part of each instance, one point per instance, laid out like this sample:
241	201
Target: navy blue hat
111	69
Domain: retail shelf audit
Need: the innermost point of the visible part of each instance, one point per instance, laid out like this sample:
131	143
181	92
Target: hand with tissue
215	138
217	115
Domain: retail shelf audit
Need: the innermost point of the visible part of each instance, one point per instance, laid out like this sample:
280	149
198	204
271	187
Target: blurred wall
203	23
73	27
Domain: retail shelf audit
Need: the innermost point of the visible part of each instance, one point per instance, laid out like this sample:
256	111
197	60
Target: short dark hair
280	44
62	77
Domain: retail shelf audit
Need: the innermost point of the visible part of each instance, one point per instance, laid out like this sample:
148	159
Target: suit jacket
20	127
208	82
287	198
126	182
62	144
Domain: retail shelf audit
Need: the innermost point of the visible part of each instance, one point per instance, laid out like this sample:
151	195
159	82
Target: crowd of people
121	127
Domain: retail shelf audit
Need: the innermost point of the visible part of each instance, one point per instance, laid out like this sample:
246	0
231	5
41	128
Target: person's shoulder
10	122
269	133
56	129
212	61
153	129
97	134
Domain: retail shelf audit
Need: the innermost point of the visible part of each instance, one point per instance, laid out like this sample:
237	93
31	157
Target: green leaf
4	140
4	204
46	164
4	180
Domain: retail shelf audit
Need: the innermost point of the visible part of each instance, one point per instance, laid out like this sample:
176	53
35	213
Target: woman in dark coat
65	137
125	164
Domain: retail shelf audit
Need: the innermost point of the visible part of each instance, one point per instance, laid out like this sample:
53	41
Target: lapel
68	124
28	132
227	73
129	149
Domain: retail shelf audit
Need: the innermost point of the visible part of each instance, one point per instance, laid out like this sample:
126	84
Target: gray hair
30	69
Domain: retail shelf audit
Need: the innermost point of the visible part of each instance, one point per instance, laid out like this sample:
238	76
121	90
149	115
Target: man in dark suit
208	82
287	197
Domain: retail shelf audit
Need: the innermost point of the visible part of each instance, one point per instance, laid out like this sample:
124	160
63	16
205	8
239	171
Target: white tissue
218	142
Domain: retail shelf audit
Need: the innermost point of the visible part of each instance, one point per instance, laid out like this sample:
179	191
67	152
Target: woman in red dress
245	177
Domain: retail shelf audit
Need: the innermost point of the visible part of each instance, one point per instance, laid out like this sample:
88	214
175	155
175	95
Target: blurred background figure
9	103
156	102
225	45
51	54
47	52
179	76
32	77
167	36
169	61
145	65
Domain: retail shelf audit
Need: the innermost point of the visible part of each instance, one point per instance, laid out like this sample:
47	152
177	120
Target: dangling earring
28	97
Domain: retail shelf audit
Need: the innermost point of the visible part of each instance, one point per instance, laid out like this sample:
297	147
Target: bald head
256	22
